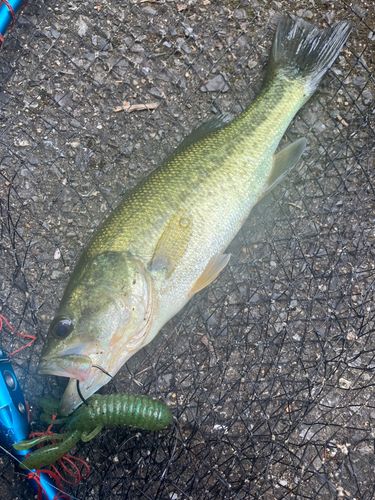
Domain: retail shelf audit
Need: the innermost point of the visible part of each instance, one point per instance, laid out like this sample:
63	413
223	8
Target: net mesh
269	372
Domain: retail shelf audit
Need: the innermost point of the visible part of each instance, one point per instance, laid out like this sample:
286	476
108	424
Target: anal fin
283	163
215	265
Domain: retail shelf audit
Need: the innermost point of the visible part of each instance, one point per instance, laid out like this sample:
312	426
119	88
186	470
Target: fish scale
226	157
166	240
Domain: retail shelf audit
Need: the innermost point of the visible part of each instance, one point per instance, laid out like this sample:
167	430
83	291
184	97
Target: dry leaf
205	341
181	7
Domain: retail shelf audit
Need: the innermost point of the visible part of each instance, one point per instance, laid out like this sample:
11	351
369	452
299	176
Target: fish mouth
71	399
78	368
74	366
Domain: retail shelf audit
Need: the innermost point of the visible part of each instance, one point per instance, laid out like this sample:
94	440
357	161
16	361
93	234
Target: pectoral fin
283	163
215	265
172	243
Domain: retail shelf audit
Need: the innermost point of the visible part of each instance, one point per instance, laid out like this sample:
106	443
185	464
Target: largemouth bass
167	238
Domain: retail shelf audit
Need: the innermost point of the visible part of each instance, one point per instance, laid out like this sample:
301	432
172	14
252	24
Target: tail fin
301	49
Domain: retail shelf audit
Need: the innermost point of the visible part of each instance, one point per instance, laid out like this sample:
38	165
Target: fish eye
61	327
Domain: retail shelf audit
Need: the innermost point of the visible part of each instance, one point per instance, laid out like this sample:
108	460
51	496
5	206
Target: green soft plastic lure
87	421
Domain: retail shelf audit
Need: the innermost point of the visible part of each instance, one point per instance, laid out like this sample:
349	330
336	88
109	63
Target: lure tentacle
51	453
30	443
87	437
49	420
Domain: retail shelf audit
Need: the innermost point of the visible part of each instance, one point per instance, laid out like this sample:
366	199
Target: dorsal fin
205	129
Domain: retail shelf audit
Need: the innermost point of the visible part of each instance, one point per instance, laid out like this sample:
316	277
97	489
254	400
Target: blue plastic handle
5	16
14	425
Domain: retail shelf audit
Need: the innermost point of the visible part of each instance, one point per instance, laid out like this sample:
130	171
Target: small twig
147	368
136	107
138	382
294	205
342	121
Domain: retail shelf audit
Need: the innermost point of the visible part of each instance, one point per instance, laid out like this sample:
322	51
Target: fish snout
71	365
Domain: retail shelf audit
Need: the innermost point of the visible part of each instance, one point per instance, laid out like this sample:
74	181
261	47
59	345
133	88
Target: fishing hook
79	389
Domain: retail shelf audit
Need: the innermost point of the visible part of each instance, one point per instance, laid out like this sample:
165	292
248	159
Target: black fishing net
269	372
